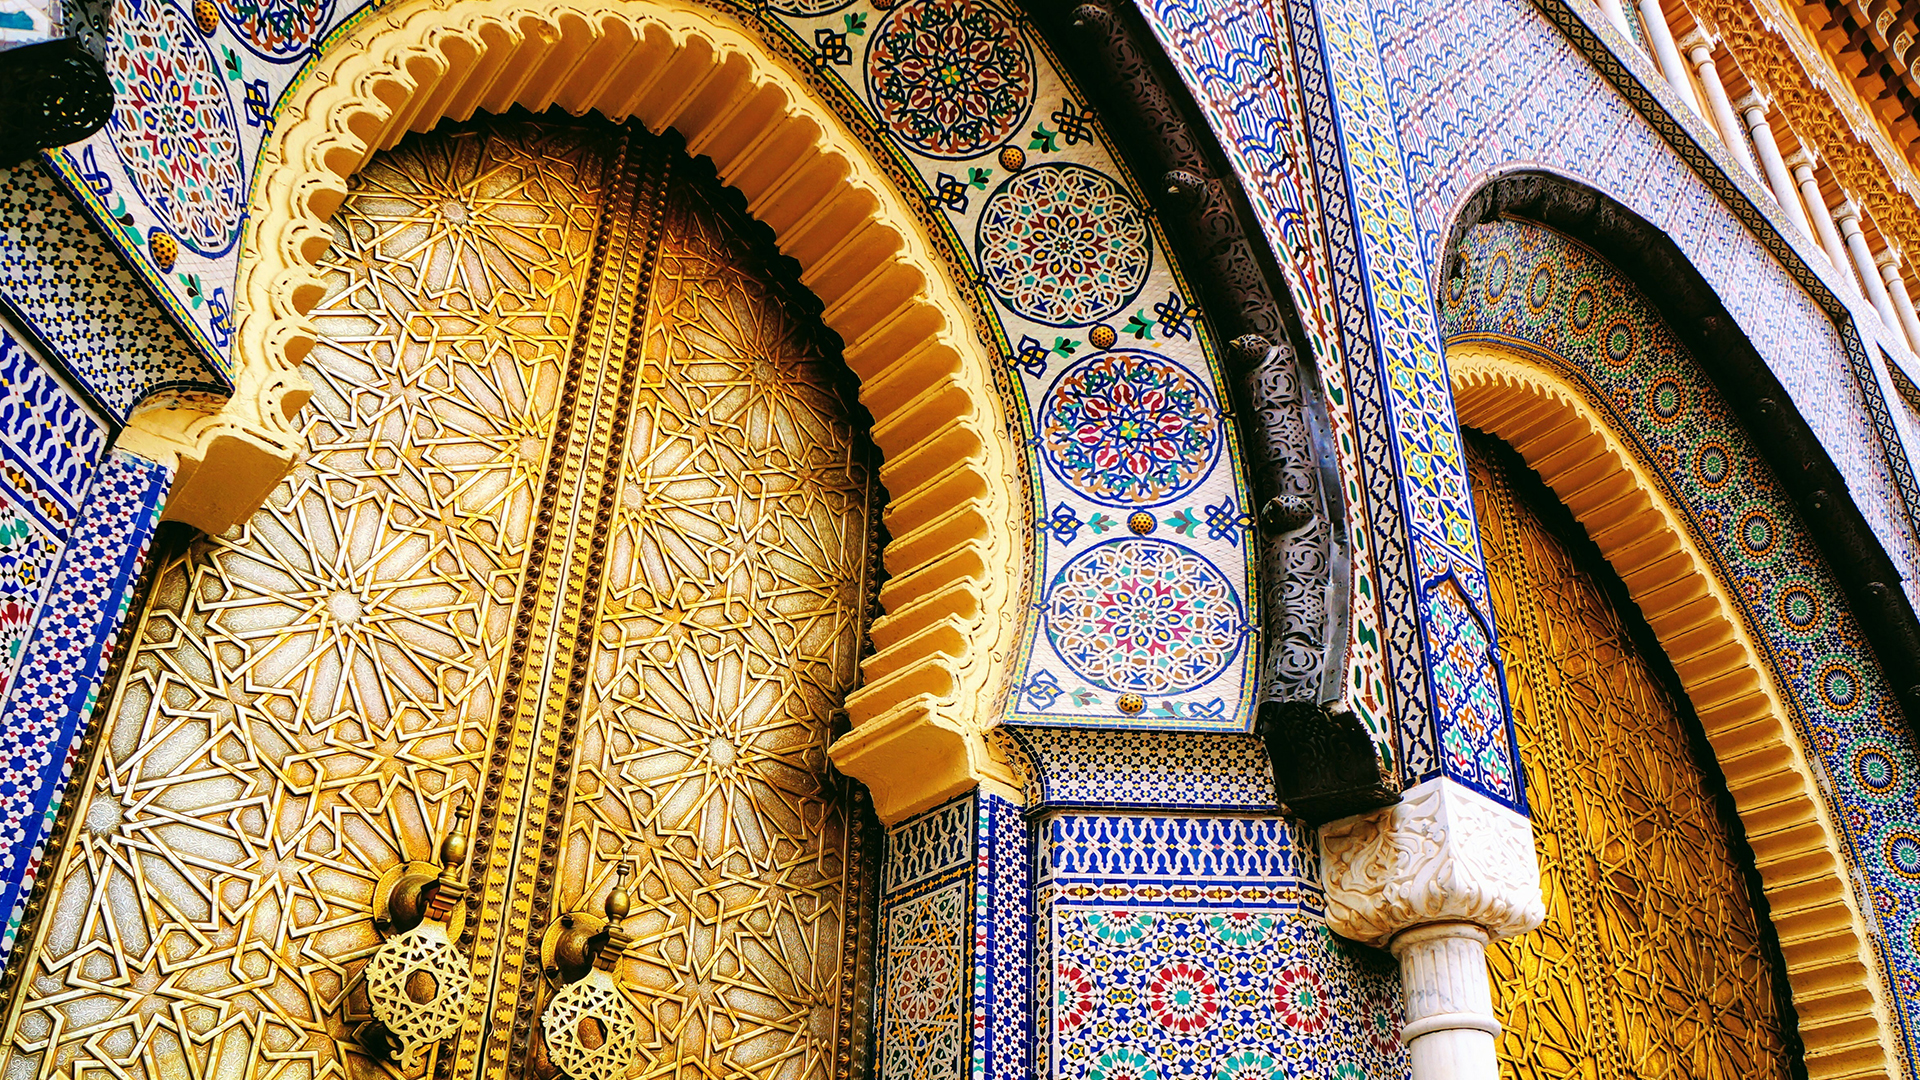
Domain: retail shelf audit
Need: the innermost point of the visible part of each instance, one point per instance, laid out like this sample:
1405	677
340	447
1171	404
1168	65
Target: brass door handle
418	983
590	1029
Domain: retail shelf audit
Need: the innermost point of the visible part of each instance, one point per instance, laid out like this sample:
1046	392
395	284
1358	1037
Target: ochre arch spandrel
1844	1020
956	557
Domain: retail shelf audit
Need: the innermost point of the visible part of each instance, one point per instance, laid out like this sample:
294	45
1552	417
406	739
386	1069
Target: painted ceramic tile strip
1195	948
1441	645
1531	288
53	692
60	278
1234	59
1461	117
956	952
1143	614
50	444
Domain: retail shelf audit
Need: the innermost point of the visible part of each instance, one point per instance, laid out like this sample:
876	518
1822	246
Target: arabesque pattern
1651	961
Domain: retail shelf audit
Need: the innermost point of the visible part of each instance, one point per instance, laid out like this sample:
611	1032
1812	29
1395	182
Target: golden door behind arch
585	538
1651	963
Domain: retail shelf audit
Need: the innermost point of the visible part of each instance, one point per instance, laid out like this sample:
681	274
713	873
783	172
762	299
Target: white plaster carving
1443	854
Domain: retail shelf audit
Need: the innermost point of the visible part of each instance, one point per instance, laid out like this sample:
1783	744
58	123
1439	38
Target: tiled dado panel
1195	949
1530	288
956	945
50	444
1481	85
1143	616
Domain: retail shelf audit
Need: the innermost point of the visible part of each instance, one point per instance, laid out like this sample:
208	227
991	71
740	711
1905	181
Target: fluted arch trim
1838	990
956	560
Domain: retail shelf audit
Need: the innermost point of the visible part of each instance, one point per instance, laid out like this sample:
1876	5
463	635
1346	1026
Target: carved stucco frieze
1444	853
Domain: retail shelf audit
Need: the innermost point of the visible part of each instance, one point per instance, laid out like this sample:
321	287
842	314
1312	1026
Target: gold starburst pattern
1651	961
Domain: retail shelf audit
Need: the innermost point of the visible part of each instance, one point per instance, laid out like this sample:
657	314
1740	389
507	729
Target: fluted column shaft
1849	219
1754	108
1801	165
1668	54
1699	50
1889	263
1450	1028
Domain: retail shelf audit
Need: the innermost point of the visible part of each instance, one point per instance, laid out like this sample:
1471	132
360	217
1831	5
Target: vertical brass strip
528	767
560	728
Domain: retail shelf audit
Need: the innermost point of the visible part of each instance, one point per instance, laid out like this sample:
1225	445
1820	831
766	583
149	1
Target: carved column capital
1444	853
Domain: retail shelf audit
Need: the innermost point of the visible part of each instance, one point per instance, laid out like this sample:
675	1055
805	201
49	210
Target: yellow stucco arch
956	560
1838	990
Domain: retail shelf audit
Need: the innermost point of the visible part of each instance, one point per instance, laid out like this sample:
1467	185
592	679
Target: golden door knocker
591	1031
418	983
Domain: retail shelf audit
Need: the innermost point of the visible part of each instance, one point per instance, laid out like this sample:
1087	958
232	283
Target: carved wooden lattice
584	539
1651	961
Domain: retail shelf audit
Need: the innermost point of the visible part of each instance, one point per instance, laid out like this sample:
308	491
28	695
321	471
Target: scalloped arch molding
1553	351
956	559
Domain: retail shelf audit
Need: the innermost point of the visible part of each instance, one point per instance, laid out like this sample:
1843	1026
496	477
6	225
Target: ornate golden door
584	545
1652	962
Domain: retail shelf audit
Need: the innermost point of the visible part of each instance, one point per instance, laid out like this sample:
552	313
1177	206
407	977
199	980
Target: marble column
1889	264
1434	879
1668	54
1849	219
1801	165
1698	48
1754	108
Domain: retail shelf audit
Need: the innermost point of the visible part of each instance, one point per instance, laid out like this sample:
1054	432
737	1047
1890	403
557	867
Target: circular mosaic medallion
277	30
1143	615
1619	342
1712	463
1875	770
1580	311
950	78
1799	607
1757	532
173	125
1063	245
1245	1064
1903	852
1300	999
1540	287
1839	687
1667	400
1183	998
1131	428
1242	929
1121	927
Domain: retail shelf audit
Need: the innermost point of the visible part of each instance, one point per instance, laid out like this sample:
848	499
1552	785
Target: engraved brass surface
583	542
1651	962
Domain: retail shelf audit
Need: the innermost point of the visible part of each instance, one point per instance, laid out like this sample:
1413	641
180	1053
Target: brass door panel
1652	962
584	542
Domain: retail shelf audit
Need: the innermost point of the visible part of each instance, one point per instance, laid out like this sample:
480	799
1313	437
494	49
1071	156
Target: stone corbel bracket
1435	878
1444	853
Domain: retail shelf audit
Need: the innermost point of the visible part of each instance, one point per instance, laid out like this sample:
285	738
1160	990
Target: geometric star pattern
1652	961
308	694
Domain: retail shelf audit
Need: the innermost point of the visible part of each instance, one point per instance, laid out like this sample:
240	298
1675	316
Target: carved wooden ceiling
1876	44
